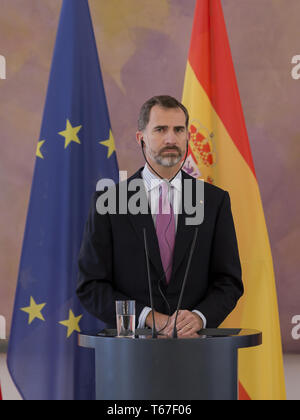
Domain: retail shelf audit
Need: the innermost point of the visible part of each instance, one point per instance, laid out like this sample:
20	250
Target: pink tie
165	230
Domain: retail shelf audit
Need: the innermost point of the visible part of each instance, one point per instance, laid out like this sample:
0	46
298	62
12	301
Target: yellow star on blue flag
72	323
110	144
70	134
34	310
38	149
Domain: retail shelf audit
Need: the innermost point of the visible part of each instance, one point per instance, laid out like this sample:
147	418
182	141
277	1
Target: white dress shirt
152	184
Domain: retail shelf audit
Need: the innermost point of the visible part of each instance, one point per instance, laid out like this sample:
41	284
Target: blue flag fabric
75	149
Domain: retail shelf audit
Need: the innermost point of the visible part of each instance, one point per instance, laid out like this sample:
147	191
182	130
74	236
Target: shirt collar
152	181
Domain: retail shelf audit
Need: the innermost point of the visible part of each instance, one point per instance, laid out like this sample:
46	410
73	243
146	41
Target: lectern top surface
235	337
207	333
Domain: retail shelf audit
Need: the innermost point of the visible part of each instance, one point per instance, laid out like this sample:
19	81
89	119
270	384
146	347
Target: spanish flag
219	152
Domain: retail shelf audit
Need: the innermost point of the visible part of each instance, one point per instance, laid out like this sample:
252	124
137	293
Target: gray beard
167	161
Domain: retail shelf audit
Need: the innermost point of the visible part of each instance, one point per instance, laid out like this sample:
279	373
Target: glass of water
125	312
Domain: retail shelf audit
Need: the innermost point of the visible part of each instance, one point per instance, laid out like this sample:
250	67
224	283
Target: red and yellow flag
220	153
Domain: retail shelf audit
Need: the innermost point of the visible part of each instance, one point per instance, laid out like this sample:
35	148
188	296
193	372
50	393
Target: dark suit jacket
112	264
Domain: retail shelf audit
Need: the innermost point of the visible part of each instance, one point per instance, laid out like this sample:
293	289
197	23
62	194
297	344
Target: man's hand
160	320
188	323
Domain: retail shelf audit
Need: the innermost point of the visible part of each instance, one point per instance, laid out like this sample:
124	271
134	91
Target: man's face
165	136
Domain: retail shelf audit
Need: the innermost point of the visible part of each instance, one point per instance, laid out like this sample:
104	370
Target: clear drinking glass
125	313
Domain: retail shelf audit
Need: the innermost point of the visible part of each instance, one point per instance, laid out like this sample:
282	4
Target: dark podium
143	368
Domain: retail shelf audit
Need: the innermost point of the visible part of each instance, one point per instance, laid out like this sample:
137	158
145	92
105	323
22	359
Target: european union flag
76	148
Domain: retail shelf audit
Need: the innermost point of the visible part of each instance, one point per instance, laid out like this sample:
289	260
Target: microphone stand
154	332
184	281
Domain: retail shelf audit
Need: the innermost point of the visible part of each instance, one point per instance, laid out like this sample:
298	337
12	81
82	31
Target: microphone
184	281
154	332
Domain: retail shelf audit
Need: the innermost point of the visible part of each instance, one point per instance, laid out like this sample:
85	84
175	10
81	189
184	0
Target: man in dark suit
112	263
